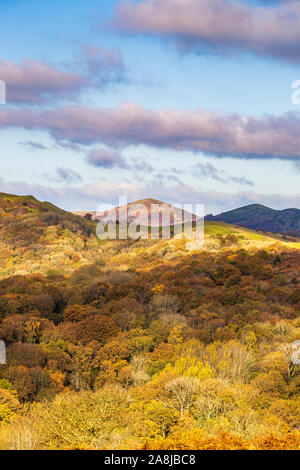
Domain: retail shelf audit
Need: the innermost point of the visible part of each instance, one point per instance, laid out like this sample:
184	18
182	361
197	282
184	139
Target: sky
185	101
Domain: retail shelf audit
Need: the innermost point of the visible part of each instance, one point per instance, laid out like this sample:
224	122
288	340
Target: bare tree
183	390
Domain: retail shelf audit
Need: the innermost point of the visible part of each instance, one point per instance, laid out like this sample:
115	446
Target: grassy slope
213	228
34	206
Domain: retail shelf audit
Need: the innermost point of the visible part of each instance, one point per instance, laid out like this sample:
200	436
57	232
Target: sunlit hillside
39	237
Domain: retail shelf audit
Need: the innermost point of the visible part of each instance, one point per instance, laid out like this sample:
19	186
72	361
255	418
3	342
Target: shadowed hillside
258	217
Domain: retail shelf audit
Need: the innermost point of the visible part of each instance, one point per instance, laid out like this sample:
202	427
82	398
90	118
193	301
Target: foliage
141	345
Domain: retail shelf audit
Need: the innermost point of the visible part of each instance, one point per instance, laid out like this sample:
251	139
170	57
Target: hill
40	237
131	211
259	217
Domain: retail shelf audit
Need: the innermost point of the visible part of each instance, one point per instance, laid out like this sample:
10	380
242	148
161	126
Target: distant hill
259	217
177	216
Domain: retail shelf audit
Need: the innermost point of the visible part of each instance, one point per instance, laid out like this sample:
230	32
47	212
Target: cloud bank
36	82
92	196
199	131
220	26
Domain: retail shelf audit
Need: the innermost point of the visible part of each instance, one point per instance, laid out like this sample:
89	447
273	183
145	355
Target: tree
77	313
182	390
95	328
159	419
29	355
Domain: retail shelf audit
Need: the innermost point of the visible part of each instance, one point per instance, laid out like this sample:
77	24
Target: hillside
40	237
259	217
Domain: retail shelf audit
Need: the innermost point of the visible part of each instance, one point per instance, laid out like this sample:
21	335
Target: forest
142	345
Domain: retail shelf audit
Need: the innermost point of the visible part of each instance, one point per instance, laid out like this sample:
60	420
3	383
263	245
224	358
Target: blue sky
153	71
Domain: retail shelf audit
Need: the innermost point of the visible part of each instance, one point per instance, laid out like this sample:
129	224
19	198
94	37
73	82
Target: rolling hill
132	211
259	217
